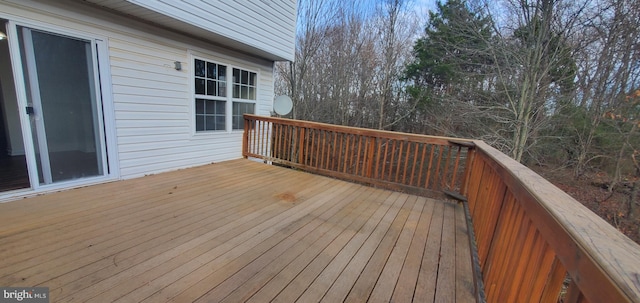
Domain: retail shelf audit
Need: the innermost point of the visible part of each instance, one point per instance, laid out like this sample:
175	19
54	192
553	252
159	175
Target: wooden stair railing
534	242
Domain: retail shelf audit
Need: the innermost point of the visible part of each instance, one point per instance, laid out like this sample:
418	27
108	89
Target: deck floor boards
237	231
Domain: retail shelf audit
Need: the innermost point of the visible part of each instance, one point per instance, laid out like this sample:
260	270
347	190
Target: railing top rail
365	131
588	246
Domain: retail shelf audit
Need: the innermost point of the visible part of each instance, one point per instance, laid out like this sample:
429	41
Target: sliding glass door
63	105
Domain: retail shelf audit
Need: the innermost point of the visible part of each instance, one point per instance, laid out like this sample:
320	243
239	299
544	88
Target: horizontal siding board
133	131
253	17
150	159
129	91
140	45
121	124
241	21
160	74
148	138
151	116
148	169
140	53
151	100
147	63
216	141
154	108
148	84
151	165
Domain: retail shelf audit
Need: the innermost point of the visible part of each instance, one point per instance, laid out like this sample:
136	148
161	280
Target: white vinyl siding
152	101
154	118
267	26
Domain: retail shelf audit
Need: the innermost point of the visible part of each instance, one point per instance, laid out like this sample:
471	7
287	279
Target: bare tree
534	66
608	70
347	66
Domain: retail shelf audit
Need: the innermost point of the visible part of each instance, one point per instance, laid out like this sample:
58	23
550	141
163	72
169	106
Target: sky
420	7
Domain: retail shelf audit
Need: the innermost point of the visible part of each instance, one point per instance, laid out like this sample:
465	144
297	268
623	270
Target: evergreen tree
450	66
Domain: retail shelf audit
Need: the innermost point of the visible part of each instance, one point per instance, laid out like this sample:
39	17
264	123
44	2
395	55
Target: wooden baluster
279	139
258	147
429	167
314	148
406	162
341	154
261	140
391	158
267	136
287	142
310	134
370	157
293	144
378	143
358	153
347	153
332	163
318	143
515	232
443	180
436	176
384	161
324	149
283	141
420	171
399	163
301	145
414	163
245	139
553	282
455	169
538	272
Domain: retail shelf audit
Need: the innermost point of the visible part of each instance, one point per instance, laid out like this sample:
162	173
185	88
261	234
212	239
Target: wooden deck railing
388	159
530	235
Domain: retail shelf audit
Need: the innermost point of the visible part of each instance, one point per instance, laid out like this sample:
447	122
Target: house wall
153	103
266	25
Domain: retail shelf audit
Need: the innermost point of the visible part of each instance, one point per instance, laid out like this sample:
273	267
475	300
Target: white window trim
193	55
194	96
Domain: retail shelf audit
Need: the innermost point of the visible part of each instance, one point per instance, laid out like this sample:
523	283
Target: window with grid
211	95
244	96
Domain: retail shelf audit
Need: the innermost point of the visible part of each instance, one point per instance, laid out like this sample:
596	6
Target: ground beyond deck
236	231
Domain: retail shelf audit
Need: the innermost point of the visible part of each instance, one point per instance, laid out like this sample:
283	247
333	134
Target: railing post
245	138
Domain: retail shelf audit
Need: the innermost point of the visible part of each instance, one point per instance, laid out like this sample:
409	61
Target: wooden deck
237	231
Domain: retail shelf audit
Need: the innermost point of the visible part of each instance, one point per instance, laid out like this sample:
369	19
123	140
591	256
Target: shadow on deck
237	231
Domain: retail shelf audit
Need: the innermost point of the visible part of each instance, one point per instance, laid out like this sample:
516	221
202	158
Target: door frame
103	72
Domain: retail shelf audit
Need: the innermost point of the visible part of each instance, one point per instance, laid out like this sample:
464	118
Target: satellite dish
282	105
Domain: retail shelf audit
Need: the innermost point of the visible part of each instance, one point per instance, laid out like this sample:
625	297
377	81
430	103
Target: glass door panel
63	104
14	174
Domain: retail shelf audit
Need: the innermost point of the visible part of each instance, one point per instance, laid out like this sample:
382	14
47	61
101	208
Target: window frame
241	100
195	96
228	99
